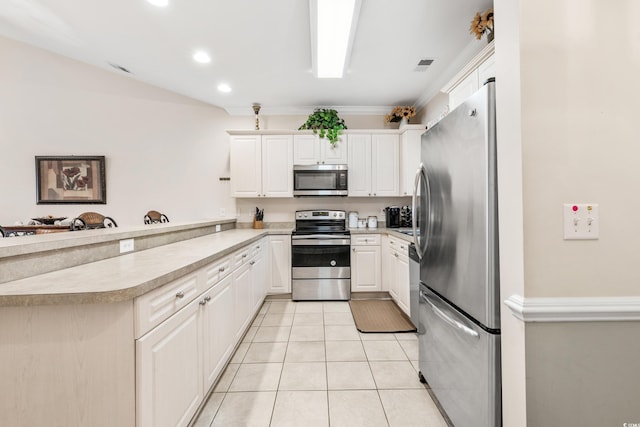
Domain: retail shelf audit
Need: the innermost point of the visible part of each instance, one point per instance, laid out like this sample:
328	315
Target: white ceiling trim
301	111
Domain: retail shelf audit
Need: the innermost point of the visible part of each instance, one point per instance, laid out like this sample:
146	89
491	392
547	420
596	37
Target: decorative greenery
326	123
400	112
482	23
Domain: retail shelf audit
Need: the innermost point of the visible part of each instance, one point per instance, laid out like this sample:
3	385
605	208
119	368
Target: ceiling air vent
119	67
423	64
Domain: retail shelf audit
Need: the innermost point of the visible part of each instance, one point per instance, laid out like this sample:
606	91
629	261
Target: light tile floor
306	364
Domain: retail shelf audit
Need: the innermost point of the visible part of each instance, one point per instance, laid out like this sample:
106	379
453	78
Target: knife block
257	224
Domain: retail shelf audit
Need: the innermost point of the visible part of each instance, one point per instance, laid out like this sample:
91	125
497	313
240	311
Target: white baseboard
583	309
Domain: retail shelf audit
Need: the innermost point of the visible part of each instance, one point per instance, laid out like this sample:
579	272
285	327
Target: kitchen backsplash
282	210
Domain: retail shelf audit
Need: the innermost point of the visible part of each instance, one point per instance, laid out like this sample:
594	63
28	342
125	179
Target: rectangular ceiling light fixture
333	27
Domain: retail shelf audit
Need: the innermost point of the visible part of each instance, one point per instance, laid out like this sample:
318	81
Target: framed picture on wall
70	180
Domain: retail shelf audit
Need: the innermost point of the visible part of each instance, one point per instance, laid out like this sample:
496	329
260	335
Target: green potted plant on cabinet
326	123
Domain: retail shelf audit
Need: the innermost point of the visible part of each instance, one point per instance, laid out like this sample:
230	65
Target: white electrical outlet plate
217	228
581	221
126	245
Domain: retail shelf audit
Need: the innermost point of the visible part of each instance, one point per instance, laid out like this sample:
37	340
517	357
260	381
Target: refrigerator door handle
442	315
417	240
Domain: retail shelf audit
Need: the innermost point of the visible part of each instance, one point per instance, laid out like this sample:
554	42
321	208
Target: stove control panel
320	214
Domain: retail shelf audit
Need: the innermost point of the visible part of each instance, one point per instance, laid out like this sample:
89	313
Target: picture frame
71	180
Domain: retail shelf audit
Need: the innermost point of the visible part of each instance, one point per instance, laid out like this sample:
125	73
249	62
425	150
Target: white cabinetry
279	266
311	150
169	374
218	337
396	274
261	165
187	330
365	263
471	77
373	165
409	157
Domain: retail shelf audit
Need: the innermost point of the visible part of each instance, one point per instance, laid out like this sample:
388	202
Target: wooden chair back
155	217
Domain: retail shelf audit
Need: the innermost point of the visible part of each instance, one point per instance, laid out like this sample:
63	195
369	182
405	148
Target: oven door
320	268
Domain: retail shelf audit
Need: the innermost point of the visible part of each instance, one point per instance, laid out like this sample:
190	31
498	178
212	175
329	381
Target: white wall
163	151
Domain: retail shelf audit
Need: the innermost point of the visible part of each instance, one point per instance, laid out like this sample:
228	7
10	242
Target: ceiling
260	48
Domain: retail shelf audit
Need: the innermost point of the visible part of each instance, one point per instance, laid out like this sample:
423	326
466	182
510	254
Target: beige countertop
127	276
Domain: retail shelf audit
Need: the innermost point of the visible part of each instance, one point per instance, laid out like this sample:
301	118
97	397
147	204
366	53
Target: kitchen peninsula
132	340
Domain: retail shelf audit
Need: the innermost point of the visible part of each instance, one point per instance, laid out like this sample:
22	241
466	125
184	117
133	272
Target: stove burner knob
333	263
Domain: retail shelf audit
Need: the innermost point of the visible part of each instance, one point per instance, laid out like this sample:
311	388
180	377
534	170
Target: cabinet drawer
257	248
155	306
399	246
365	240
217	271
241	256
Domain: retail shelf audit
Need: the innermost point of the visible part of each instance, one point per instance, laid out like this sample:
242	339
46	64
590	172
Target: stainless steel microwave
319	180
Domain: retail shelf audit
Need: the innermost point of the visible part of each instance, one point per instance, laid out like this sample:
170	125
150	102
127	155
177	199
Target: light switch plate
126	245
581	221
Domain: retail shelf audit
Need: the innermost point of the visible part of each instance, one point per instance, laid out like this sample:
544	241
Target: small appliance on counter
392	214
372	222
405	217
353	219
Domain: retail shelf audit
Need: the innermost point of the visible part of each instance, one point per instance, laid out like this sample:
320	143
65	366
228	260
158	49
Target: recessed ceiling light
223	87
159	3
201	57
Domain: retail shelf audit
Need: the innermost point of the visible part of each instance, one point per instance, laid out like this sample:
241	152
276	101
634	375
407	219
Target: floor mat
380	316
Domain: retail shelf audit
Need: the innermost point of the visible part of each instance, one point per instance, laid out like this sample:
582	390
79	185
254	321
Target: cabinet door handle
180	294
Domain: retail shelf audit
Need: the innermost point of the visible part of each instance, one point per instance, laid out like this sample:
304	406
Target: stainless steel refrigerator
456	203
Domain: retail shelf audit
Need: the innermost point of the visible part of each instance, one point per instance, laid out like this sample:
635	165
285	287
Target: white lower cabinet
168	370
242	284
397	272
218	336
279	266
259	272
179	359
365	263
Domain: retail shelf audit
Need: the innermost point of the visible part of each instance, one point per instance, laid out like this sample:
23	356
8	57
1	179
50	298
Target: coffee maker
392	215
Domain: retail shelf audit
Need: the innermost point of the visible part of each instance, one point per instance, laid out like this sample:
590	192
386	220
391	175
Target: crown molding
468	69
578	309
345	110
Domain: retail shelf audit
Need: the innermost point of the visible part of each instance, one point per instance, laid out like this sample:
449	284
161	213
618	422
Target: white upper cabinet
246	165
261	165
373	165
277	166
471	77
409	158
360	165
311	150
385	162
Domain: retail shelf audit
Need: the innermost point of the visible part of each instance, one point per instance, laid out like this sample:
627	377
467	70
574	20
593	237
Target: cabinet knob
252	262
395	255
244	255
180	294
221	269
354	249
374	194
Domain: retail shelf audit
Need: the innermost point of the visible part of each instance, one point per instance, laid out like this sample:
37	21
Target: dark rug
380	316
